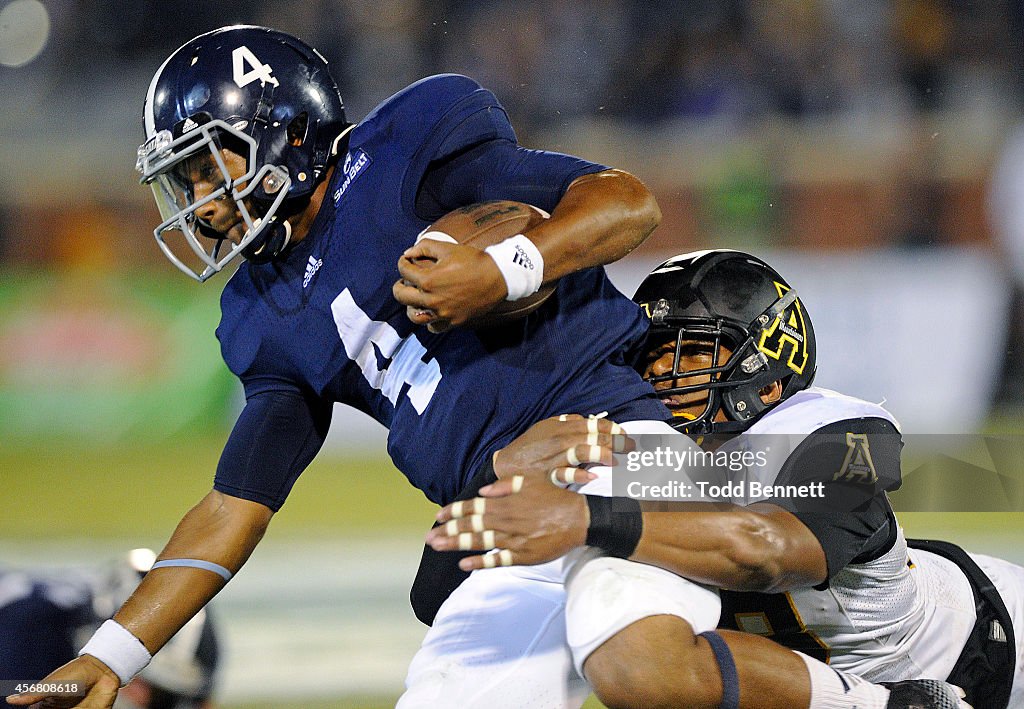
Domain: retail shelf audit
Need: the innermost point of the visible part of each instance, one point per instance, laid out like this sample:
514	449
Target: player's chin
236	233
685	406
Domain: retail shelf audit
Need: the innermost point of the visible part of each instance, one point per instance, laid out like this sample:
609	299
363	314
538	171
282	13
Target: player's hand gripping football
92	677
445	285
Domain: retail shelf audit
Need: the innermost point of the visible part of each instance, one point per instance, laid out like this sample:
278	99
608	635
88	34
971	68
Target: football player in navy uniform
840	583
46	614
249	153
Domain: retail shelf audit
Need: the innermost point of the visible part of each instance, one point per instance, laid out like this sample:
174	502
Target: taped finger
517	483
452	526
488	539
563	477
463	508
591	454
501	557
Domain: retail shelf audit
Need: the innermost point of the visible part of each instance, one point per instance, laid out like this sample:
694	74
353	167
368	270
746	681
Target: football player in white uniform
731	351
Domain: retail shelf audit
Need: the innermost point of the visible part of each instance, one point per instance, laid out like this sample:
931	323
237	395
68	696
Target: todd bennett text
709	492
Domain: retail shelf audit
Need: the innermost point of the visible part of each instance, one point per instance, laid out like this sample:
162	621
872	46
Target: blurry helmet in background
182	675
734	299
263	94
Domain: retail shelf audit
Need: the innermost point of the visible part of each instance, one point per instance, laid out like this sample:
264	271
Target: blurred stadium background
872	149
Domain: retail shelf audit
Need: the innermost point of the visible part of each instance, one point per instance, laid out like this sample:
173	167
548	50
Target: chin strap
278	236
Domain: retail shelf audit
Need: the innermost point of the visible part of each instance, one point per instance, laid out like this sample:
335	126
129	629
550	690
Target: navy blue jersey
322	324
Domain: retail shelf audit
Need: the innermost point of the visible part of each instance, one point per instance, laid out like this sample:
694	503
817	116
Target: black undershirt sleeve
857	460
276	436
439	573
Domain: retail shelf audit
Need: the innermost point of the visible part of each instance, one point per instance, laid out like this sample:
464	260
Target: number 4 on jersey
359	334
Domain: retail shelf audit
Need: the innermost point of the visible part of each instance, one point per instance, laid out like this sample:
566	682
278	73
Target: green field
126	492
54	493
141	492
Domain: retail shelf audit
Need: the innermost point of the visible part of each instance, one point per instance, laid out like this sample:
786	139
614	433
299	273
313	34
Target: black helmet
734	299
267	96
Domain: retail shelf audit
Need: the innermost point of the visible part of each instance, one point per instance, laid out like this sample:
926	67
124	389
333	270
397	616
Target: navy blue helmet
737	300
262	94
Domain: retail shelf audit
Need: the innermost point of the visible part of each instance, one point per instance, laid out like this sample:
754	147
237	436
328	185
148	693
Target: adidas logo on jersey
521	259
312	266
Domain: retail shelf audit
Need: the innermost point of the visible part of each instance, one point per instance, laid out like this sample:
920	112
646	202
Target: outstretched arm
275	438
220	529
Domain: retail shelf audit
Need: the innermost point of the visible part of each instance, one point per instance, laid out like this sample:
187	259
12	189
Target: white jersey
905	613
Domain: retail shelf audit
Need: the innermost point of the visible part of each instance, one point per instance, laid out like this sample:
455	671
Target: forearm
601	218
732	547
220	529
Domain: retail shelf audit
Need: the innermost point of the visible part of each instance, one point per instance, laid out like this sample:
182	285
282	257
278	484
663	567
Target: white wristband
521	265
114	646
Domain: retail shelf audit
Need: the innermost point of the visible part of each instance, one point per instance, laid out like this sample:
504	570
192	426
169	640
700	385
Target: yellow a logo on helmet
786	336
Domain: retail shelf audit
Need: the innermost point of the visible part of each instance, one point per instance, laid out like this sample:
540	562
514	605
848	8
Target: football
481	225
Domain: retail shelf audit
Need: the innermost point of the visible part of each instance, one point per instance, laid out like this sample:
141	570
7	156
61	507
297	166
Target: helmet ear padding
278	236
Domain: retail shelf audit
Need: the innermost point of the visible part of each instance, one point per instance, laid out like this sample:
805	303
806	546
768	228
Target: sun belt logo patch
353	166
786	336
